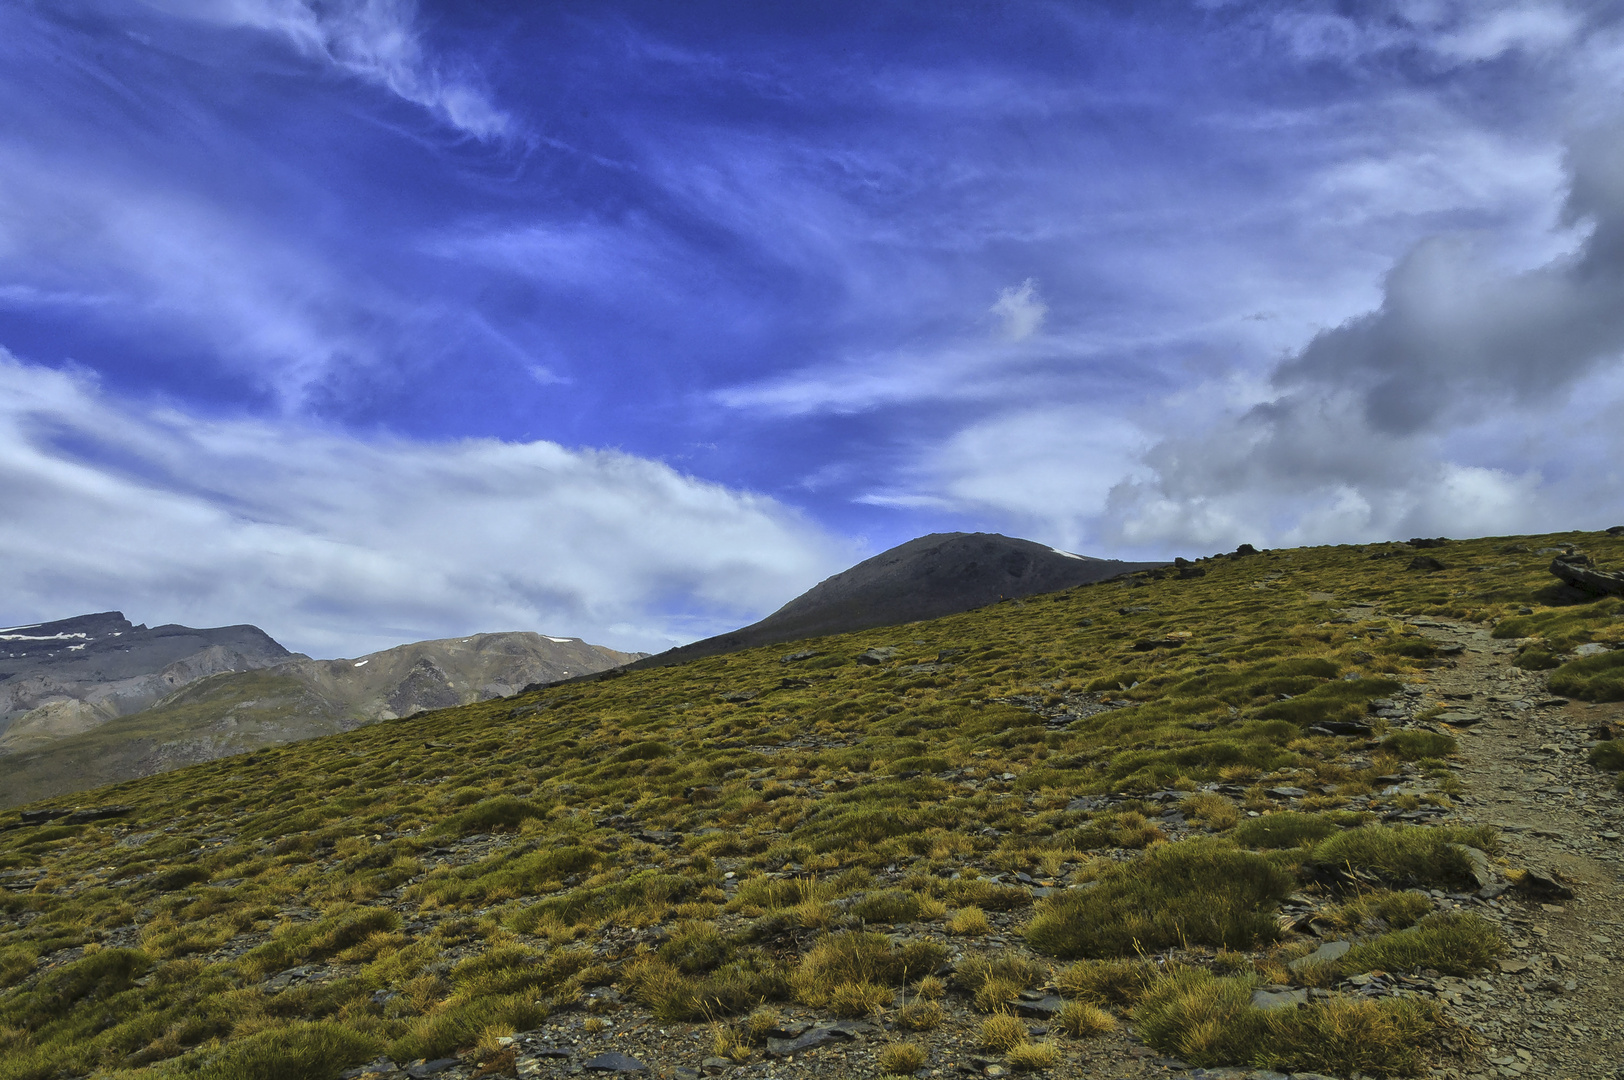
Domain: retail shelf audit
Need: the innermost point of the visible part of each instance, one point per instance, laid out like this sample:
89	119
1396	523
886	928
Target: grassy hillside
914	825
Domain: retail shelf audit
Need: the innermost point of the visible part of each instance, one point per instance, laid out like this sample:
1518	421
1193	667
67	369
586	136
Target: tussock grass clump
748	981
505	812
1212	810
297	1051
902	1058
1416	745
1106	982
921	1015
1608	755
849	970
1426	855
1284	829
318	940
897	906
1001	1031
1033	1056
1196	892
1381	908
968	922
1449	942
987	895
1081	1020
1209	1020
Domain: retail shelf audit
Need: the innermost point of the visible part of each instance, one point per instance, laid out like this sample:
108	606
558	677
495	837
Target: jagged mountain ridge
71	675
67	743
926	578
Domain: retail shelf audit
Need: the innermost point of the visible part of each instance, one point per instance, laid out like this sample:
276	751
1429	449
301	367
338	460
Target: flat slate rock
818	1036
430	1068
614	1061
1331	950
1279	999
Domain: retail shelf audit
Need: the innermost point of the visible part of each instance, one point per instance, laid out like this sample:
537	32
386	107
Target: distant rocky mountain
61	678
71	726
935	575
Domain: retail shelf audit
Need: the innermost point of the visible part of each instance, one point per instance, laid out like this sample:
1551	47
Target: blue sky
368	321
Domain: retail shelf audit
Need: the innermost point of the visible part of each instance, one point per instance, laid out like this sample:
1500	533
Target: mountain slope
925	578
63	677
1237	818
236	711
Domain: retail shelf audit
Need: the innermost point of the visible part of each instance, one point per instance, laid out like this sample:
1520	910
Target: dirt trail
1556	1008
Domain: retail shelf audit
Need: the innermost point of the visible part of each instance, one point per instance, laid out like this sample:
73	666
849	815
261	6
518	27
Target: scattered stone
1424	542
1541	884
794	658
715	1066
1592	648
431	1068
614	1061
1044	1008
377	1065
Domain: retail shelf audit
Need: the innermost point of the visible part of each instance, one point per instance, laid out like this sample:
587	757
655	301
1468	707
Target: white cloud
337	545
374	40
1021	310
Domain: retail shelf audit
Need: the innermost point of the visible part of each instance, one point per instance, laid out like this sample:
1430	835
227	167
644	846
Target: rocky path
1556	1008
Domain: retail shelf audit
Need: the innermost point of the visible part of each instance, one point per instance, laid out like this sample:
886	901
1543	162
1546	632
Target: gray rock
1044	1008
818	1036
1482	869
1331	950
716	1066
1592	648
431	1068
614	1061
1279	999
877	656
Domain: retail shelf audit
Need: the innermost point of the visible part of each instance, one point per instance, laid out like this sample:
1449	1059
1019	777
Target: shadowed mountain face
935	575
202	707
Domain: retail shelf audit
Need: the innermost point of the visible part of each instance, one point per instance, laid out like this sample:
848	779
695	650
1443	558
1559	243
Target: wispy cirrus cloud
374	40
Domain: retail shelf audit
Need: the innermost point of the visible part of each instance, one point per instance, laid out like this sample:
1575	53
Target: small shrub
1450	942
1081	1020
1001	1032
969	922
902	1058
1416	745
1033	1056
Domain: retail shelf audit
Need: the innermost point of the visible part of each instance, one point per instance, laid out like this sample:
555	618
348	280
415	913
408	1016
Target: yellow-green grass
517	836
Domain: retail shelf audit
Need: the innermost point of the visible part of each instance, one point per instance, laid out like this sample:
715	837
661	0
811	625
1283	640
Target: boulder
1427	563
1580	572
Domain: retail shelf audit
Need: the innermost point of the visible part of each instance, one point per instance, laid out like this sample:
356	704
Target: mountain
65	677
249	699
1341	810
926	578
